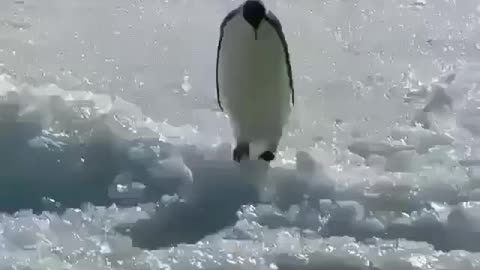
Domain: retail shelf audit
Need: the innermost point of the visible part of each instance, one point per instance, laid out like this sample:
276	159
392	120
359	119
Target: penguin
254	78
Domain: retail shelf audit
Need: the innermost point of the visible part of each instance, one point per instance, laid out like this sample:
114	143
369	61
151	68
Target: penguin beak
254	21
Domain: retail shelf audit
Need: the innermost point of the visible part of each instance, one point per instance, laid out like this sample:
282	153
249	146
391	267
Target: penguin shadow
210	204
219	190
42	174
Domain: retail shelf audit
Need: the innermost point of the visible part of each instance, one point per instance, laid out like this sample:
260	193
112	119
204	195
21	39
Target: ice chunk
173	169
369	227
404	161
365	148
45	142
411	130
464	218
124	187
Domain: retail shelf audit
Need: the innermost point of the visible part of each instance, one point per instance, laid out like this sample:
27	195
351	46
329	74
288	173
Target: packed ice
116	156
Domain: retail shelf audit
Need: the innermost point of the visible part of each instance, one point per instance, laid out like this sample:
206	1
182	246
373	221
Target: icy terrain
115	155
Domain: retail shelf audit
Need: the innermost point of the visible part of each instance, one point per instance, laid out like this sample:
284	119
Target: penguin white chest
253	79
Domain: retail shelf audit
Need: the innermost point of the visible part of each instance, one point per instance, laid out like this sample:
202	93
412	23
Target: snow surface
115	155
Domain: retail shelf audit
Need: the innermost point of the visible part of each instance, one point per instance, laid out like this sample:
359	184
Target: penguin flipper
275	23
225	20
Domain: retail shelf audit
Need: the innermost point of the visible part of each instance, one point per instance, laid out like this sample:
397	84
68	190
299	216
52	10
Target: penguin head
254	12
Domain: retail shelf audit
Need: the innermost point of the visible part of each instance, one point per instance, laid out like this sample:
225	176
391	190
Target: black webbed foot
241	150
267	156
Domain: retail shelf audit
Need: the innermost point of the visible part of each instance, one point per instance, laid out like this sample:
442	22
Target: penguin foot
267	156
241	150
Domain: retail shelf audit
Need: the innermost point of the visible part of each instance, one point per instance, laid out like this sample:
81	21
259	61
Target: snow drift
116	157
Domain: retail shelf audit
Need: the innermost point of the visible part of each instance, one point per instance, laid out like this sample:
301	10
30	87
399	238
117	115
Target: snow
115	155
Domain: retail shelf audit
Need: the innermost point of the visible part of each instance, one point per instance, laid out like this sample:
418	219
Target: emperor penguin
254	78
